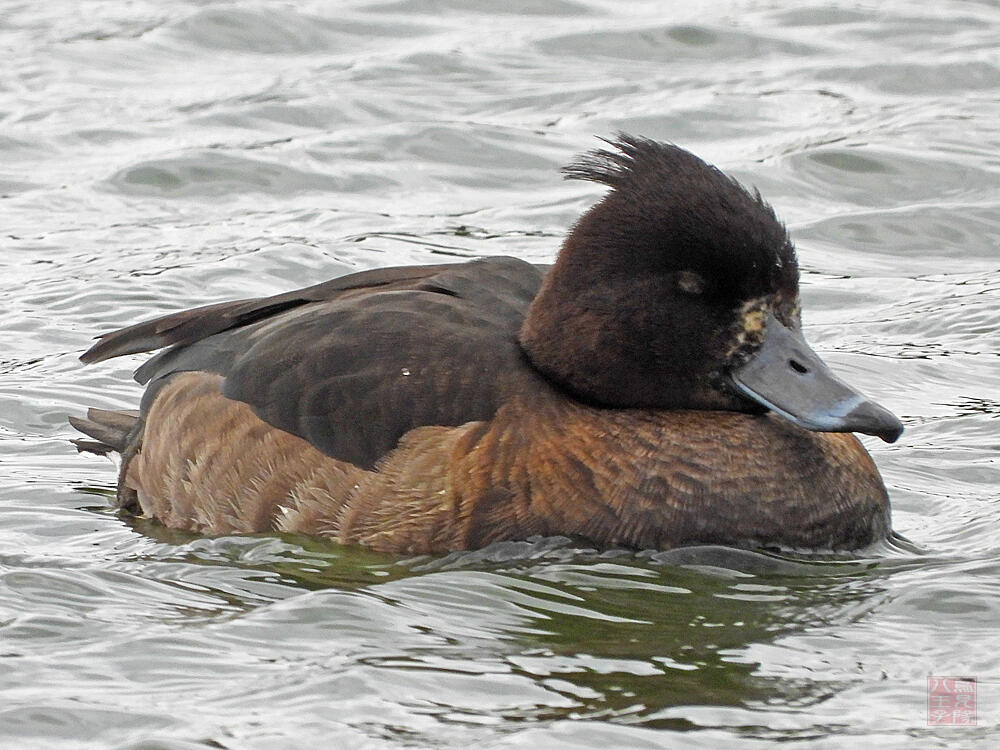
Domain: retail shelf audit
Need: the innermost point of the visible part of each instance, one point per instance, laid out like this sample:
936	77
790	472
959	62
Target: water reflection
535	631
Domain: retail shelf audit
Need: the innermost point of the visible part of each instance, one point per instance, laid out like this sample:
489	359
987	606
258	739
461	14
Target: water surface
159	155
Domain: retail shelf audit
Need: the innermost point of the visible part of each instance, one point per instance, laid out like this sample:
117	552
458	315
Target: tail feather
110	429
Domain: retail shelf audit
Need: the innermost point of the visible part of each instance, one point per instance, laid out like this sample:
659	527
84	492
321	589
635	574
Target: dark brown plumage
620	396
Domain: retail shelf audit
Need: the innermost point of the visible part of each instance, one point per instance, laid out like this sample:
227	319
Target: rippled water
158	155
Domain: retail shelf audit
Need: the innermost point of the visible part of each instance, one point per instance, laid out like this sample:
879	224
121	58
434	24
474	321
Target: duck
652	388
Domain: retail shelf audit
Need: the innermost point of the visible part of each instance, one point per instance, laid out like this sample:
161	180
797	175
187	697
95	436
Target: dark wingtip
136	339
92	354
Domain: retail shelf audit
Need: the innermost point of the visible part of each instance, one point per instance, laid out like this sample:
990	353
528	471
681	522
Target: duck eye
690	283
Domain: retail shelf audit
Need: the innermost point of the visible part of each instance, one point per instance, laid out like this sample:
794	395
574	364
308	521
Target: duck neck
620	339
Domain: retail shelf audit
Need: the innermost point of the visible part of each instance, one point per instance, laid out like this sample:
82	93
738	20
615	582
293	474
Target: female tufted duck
650	389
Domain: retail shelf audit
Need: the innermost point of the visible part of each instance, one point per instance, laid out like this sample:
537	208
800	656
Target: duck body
429	409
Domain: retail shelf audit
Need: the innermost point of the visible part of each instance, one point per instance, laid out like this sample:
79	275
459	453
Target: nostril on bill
798	366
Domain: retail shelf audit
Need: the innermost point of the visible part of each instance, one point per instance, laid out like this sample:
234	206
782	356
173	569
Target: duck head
680	290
